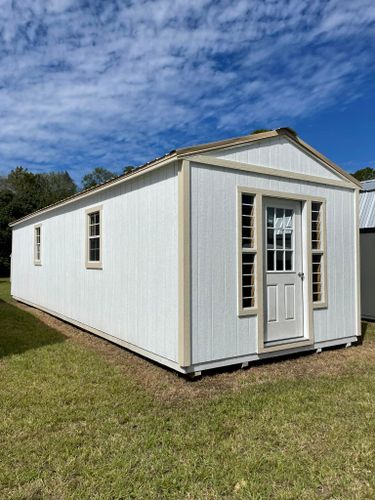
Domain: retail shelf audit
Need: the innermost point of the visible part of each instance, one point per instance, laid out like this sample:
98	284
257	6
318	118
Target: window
248	253
318	252
37	245
94	247
280	239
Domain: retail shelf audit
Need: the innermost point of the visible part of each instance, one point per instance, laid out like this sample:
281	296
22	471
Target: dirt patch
167	385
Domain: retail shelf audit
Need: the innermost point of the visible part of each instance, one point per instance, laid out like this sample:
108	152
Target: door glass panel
270	217
288	261
270	238
280	228
288	218
279	239
288	239
279	221
270	260
279	260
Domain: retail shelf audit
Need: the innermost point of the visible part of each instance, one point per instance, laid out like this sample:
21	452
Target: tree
23	192
128	169
96	177
56	186
365	174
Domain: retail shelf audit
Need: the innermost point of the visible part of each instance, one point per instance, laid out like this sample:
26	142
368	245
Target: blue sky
85	84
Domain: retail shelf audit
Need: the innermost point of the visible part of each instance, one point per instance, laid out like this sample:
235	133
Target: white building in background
367	238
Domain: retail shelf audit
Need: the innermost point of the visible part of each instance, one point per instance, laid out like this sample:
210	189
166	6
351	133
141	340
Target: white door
283	271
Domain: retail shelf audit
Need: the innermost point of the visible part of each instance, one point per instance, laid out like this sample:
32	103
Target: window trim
38	262
254	250
323	303
97	264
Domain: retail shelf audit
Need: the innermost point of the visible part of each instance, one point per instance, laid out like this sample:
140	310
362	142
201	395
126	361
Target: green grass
74	425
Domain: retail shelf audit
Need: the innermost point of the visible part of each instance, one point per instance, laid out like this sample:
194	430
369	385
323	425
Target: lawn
81	418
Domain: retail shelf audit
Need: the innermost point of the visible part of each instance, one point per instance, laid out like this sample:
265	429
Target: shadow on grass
21	331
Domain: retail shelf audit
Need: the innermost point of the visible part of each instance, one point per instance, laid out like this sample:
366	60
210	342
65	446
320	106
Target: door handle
301	275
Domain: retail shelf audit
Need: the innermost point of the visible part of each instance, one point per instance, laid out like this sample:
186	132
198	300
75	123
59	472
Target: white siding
135	296
279	153
217	330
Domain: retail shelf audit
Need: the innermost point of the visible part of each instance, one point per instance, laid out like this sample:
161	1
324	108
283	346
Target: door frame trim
308	306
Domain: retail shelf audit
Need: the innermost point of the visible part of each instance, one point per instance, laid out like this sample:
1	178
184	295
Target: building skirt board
195	368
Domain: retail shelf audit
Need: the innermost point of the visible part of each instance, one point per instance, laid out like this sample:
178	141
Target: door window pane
279	220
288	261
288	218
270	260
288	239
270	243
279	260
270	217
280	239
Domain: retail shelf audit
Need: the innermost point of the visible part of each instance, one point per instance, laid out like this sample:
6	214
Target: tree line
23	192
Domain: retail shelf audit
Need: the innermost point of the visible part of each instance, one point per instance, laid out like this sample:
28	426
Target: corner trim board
184	265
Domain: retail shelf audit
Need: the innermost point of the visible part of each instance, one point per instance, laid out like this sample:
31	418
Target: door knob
301	275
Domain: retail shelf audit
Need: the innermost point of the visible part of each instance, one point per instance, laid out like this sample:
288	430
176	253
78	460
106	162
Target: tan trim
184	266
325	160
227	143
357	262
257	169
281	194
38	262
323	304
260	269
94	264
308	276
248	311
306	250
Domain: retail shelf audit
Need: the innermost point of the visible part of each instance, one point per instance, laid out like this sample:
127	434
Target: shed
367	238
213	255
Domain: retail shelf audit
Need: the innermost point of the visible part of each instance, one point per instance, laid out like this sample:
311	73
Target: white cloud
109	84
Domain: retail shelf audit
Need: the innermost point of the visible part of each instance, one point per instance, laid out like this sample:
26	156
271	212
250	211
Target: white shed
367	231
212	255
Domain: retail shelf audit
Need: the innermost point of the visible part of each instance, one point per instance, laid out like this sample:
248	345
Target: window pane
279	221
288	261
279	239
270	243
270	260
94	249
248	277
248	199
288	239
288	218
270	217
279	260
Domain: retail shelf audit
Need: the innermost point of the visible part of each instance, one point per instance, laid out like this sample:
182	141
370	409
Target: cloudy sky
112	83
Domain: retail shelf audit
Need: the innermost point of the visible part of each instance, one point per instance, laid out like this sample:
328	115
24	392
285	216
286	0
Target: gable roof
192	150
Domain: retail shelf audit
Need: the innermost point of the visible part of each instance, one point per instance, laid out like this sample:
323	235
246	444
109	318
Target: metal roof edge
158	162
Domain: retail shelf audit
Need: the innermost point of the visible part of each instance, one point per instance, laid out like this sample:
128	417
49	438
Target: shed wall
217	331
135	296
